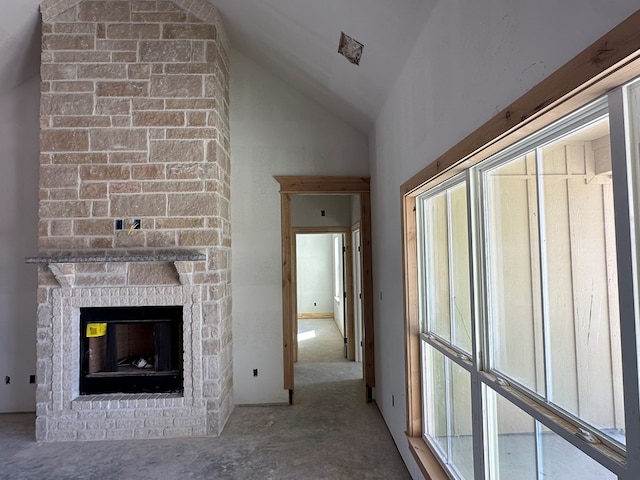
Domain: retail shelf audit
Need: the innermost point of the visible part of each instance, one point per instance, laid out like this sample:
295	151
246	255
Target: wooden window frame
609	62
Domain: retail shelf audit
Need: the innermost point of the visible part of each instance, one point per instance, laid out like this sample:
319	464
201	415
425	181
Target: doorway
324	281
325	352
291	186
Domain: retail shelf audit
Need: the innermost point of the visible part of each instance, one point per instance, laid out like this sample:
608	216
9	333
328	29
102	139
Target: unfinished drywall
274	131
19	103
321	210
471	60
314	273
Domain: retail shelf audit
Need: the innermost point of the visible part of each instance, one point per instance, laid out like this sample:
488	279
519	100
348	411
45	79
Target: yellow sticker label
96	329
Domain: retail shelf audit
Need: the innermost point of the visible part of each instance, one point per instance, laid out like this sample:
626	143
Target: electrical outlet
255	372
7	380
118	224
32	379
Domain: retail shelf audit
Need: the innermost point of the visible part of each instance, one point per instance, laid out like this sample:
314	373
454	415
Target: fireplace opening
131	350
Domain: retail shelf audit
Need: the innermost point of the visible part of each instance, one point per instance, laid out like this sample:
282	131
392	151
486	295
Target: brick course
91	101
134	124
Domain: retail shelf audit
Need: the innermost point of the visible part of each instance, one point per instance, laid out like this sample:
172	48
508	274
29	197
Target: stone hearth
134	132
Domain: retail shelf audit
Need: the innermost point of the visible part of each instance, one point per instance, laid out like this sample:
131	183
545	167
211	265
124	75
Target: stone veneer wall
134	125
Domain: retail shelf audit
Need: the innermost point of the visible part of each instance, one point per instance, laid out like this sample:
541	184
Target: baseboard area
316	315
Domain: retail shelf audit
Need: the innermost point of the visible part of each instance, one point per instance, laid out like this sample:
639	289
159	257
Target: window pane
437	265
560	459
447	412
461	439
435	395
446	258
512	258
512	440
461	297
520	447
581	288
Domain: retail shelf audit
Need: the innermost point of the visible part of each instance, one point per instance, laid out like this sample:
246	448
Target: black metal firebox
131	349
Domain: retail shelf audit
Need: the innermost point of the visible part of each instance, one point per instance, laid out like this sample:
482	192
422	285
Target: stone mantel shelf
64	265
116	256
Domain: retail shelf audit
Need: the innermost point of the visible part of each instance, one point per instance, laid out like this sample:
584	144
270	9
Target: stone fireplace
134	216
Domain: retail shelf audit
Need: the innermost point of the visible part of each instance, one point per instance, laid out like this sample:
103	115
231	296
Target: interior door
357	292
301	185
339	296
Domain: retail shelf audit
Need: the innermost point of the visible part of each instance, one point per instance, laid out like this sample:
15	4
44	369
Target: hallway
330	433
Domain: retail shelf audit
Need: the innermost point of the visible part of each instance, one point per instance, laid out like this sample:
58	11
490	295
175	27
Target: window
525	298
445	268
446	323
545	256
552	322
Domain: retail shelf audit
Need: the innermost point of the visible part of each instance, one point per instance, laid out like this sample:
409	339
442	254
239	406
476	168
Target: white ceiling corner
296	40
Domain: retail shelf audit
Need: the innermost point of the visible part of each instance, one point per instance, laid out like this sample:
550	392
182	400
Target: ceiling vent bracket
350	48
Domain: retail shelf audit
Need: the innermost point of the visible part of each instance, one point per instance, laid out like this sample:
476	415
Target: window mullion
546	341
452	329
422	266
628	315
450	264
490	425
539	459
537	272
449	397
544	307
482	299
478	300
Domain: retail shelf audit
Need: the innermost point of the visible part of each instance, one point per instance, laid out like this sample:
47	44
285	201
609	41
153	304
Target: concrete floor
330	433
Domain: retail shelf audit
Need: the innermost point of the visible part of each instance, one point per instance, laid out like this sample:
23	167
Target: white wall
306	210
274	131
19	130
471	60
314	264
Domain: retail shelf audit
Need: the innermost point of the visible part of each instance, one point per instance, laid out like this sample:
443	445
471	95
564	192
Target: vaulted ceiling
297	40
